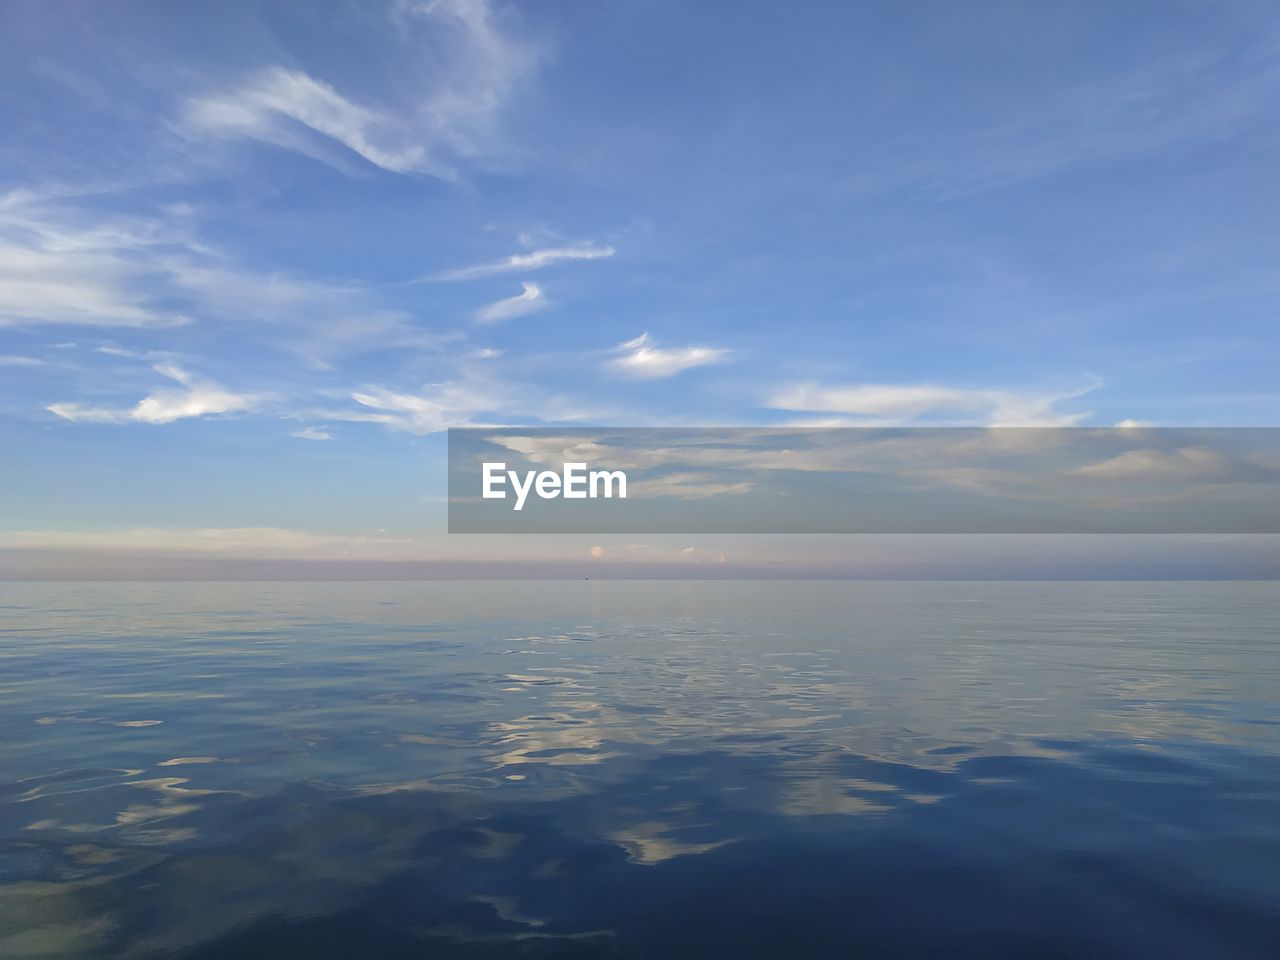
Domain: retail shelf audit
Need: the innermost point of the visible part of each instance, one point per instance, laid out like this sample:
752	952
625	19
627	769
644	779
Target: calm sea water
640	770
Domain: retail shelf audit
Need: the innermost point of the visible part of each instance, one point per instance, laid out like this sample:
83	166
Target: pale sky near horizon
255	257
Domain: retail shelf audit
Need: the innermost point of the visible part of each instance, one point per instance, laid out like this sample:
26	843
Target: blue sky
255	257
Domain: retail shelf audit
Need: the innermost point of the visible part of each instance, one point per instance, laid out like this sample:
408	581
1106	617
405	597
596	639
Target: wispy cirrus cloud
884	404
65	265
193	397
63	268
312	433
462	69
474	399
440	407
290	109
529	300
518	262
318	320
643	359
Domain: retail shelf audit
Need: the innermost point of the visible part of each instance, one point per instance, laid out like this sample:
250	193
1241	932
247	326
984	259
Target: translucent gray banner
864	480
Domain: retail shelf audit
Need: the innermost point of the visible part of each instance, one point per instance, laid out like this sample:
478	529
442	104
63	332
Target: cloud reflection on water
426	771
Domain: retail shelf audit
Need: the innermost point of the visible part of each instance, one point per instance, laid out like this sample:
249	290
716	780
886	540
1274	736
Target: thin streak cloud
312	433
92	286
518	262
885	404
643	359
193	397
444	112
287	108
530	300
447	405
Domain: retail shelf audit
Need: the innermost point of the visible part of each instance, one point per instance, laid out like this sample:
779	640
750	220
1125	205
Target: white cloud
642	359
287	108
448	405
528	301
883	404
17	361
482	68
62	265
60	270
192	398
533	260
472	400
458	73
312	433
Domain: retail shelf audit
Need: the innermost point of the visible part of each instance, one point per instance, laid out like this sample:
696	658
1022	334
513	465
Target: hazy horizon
839	557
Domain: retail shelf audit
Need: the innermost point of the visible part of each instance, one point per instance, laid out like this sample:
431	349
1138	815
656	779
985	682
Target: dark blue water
640	770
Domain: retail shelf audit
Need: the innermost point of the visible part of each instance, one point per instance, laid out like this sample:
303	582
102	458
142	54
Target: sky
256	257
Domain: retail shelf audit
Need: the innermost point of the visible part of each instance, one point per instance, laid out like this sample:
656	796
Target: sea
640	769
